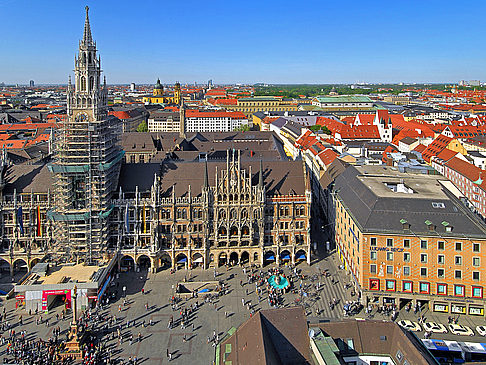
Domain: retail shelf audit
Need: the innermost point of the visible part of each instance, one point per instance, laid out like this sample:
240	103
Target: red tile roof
468	170
420	148
437	146
191	113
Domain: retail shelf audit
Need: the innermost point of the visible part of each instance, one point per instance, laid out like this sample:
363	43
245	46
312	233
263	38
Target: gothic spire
206	182
87	38
260	177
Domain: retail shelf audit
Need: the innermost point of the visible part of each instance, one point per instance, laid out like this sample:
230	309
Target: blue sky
248	41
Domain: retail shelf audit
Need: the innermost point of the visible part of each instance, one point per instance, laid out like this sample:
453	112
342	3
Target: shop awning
198	260
269	257
286	257
182	260
301	257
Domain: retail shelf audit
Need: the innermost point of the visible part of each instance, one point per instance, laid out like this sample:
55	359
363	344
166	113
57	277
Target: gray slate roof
378	209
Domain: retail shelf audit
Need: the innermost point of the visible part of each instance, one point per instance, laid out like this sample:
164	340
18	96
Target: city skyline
229	43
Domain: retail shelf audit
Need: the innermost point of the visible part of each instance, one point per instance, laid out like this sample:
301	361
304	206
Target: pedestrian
143	291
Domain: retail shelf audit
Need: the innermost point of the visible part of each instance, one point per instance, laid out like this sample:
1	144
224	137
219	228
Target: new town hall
86	203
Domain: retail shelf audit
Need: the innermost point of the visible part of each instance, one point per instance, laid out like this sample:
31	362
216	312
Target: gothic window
89	58
231	197
199	213
256	214
184	216
286	211
179	214
83	83
91	83
84	102
89	101
244	214
247	197
234	231
222	214
245	230
233	214
219	197
242	197
222	231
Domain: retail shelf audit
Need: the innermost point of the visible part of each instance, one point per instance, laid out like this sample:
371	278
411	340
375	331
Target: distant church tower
87	162
177	93
158	89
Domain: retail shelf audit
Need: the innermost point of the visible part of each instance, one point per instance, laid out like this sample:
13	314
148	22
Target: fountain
279	282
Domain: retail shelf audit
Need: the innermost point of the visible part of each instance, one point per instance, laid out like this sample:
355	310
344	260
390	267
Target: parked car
409	325
459	329
435	327
481	330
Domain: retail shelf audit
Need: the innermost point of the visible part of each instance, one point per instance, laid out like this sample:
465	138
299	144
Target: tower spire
260	177
87	38
206	182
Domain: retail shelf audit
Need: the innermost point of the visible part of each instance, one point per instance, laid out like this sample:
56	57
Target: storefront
476	310
458	308
441	307
54	289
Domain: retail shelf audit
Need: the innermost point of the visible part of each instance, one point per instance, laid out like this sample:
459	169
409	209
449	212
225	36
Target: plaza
211	318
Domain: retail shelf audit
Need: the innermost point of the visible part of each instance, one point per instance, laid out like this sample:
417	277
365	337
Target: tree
142	127
325	130
242	128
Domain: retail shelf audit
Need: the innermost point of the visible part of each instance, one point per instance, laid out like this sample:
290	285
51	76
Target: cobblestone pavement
216	318
227	311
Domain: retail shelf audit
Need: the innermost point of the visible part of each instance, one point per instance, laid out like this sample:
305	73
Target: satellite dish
311	333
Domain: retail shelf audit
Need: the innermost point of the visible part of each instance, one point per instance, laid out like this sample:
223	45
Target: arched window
233	214
89	58
83	83
91	83
244	214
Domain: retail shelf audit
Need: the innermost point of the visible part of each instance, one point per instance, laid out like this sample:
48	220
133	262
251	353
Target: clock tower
87	162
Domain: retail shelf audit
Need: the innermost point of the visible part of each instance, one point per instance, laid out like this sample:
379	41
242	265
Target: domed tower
158	89
177	93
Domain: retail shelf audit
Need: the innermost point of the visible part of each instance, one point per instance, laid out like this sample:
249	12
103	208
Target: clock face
82	117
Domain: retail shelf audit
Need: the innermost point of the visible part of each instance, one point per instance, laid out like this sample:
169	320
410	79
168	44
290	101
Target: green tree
142	127
325	130
243	128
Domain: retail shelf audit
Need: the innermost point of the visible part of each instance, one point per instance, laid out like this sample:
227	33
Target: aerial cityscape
241	220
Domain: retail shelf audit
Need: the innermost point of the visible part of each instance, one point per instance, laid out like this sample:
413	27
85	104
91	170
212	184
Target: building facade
405	239
214	121
186	219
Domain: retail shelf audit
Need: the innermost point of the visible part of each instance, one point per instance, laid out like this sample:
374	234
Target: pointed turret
87	38
206	179
260	177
